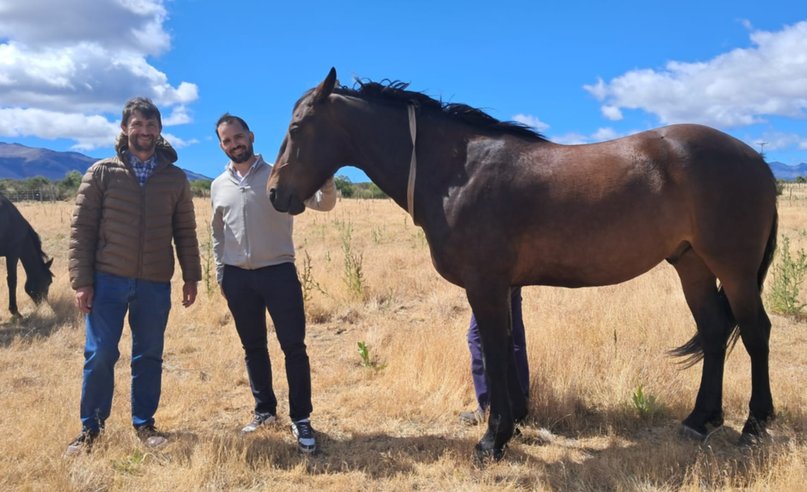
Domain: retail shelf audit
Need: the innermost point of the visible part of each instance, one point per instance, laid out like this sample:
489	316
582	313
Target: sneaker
150	436
304	434
475	417
258	421
83	442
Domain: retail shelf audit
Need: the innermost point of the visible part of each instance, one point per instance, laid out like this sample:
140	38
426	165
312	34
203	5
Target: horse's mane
394	91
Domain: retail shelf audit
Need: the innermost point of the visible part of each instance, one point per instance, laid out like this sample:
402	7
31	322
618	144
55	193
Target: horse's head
310	152
37	286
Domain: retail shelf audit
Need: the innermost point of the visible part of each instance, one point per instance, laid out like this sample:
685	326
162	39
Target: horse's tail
693	349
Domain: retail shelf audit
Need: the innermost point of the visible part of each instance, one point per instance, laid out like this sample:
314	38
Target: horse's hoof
749	440
688	432
698	435
517	434
485	455
755	432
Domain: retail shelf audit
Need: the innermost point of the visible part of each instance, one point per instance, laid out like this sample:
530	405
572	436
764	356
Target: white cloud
570	139
603	134
780	140
177	142
89	132
115	24
179	116
738	88
611	112
80	60
531	121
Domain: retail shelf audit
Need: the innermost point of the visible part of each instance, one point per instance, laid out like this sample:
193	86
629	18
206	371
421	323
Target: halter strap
410	188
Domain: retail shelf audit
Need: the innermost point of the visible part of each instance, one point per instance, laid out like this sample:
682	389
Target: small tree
201	187
68	187
788	275
344	185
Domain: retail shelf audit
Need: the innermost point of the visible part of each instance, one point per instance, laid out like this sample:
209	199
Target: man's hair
142	105
229	118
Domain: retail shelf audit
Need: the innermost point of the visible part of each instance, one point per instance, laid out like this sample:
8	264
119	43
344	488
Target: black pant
276	288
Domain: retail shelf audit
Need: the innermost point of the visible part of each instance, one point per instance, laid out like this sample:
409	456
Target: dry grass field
393	425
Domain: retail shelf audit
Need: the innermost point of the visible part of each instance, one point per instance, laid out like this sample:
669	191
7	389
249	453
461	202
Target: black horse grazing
19	241
501	206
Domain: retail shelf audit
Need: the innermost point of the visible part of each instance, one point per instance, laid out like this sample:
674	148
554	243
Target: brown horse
501	206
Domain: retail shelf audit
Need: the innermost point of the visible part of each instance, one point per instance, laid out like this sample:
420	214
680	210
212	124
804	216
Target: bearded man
129	209
254	251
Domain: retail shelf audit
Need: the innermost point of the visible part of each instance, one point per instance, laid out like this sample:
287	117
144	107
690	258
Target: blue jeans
519	352
148	304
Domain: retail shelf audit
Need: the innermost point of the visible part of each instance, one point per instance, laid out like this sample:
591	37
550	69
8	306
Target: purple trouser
519	352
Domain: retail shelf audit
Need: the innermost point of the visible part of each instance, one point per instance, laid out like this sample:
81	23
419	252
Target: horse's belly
582	277
587	265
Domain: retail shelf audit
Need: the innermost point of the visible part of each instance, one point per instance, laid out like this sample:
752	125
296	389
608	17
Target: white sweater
247	230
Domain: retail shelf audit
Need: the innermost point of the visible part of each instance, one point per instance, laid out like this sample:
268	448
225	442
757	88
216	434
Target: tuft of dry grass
394	426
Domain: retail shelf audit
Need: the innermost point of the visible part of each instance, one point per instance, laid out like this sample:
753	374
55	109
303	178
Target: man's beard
135	145
241	156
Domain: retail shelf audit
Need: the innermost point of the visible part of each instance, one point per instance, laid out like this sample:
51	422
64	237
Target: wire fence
40	195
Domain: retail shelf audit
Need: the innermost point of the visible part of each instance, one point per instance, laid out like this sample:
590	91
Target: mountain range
787	172
21	162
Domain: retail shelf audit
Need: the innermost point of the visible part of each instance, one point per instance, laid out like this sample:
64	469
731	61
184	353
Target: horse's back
12	227
577	215
711	155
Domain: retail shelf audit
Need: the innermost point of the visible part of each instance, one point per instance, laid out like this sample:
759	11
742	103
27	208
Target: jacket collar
165	153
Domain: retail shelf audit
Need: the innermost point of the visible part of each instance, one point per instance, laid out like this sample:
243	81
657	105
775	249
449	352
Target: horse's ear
326	87
49	263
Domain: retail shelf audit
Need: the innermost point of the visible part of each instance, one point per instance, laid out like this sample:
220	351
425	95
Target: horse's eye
294	129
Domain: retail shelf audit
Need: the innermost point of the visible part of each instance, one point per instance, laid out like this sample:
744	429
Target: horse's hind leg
755	330
714	324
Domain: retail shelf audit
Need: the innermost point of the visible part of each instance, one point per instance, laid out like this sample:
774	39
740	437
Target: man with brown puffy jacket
129	209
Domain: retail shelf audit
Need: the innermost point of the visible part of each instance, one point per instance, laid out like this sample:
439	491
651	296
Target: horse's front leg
492	311
11	269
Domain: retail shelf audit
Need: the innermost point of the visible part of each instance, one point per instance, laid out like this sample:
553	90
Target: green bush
344	185
645	403
787	276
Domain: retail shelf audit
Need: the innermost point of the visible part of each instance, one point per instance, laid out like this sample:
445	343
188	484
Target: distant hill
21	162
787	172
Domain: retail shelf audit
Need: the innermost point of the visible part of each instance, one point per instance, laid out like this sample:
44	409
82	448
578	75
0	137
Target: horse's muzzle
285	202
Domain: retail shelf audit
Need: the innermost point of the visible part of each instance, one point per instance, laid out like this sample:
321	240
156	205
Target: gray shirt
247	230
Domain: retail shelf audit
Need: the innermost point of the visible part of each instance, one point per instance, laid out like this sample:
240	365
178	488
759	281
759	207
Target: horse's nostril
272	194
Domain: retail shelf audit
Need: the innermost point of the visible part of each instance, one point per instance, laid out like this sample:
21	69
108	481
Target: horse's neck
382	148
31	255
380	145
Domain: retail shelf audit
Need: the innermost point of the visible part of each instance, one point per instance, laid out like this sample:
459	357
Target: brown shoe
475	417
151	437
83	442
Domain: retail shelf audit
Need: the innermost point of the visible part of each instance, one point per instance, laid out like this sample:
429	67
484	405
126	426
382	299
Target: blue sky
579	72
